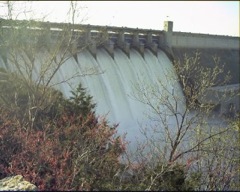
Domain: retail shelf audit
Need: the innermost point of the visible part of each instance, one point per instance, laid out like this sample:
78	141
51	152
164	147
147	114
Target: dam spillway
112	81
113	85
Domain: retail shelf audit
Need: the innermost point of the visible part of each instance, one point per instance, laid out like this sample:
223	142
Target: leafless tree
182	130
32	52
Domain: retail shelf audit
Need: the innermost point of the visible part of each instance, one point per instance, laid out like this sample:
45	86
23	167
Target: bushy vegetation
68	147
71	150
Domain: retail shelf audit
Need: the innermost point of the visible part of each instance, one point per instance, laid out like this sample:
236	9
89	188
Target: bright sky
209	17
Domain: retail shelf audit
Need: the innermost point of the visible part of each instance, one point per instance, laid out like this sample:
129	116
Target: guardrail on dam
94	36
126	38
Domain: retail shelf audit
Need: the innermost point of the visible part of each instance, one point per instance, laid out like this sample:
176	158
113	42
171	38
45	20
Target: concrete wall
198	40
191	40
224	47
226	96
229	60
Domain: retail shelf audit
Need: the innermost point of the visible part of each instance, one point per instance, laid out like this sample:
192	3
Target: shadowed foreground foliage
66	147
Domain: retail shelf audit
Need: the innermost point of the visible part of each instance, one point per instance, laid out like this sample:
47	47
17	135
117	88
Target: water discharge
111	82
113	88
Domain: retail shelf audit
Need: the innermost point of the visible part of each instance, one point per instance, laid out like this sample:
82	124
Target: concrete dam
118	60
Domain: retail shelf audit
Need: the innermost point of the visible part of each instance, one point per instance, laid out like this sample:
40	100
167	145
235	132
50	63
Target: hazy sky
210	17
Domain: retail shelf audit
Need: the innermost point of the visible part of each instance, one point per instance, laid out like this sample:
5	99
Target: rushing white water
112	87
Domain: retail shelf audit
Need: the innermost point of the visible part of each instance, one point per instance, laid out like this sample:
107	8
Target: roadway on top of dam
53	26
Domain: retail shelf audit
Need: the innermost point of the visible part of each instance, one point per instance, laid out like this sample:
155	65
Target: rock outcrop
16	183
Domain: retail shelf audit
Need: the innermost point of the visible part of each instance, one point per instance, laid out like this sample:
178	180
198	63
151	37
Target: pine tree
80	102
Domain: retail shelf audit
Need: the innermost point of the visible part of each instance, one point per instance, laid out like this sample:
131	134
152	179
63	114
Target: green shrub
73	150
